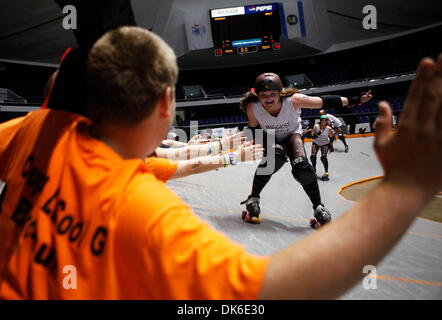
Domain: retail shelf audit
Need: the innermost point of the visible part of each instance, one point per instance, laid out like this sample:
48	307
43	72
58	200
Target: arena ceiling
31	31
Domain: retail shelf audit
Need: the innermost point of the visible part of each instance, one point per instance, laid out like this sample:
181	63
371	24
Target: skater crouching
277	111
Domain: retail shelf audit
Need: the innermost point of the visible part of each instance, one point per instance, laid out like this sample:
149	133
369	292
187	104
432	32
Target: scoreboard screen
246	29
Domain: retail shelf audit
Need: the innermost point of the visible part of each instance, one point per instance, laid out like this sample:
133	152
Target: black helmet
268	81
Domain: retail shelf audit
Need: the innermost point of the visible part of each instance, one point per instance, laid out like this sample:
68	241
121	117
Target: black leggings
324	151
293	149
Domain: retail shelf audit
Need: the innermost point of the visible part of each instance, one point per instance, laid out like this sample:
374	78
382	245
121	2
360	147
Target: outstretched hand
232	141
248	152
412	155
367	96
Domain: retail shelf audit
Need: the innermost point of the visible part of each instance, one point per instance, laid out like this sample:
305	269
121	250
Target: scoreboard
246	29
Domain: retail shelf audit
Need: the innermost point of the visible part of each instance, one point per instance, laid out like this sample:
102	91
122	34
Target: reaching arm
330	261
303	101
174	144
330	132
315	130
200	139
185	153
201	150
330	101
251	120
247	152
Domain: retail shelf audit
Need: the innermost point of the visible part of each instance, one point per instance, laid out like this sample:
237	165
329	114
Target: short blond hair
128	69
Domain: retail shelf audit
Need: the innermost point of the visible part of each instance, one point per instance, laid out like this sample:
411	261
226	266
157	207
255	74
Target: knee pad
303	171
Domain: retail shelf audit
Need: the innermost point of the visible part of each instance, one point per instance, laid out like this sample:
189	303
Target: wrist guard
355	99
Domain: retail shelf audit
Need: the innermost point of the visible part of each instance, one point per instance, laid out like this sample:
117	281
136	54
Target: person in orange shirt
76	195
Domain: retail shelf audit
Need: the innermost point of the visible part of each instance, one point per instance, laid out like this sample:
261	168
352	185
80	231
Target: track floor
412	270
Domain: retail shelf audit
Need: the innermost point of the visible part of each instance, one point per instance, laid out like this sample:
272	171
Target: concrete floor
412	270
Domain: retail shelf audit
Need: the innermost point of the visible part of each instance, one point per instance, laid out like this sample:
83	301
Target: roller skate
251	214
322	216
325	177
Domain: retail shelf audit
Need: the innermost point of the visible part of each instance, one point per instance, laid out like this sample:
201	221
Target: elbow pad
331	101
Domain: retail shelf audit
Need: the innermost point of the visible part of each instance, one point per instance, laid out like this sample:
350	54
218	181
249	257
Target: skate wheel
313	223
253	219
256	220
243	215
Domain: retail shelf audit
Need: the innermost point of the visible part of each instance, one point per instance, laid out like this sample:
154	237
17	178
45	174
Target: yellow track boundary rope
356	182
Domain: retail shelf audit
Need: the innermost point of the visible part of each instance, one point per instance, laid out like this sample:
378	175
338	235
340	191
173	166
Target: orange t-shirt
79	222
162	168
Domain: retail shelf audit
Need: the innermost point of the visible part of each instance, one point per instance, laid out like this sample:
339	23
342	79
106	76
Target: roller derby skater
322	132
277	111
336	125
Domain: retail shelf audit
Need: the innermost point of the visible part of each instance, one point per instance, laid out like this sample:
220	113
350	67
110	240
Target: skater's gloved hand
232	141
362	98
249	152
366	96
411	156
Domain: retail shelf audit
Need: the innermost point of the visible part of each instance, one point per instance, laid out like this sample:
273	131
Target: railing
347	85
